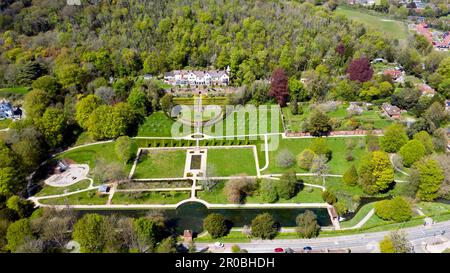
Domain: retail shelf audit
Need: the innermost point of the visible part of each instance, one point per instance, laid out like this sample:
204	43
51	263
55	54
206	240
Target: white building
198	77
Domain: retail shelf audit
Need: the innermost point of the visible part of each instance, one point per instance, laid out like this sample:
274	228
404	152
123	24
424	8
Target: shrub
394	138
287	186
350	177
237	189
320	147
285	159
215	224
268	191
412	152
307	226
264	226
305	159
329	197
396	209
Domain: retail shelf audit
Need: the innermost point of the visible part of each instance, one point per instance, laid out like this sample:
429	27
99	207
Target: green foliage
167	103
305	159
394	138
48	84
110	121
17	234
215	224
146	231
268	191
329	197
397	209
350	176
90	232
431	178
395	242
138	101
386	245
307	226
426	141
84	109
318	123
376	172
35	103
412	152
52	126
320	147
168	245
125	148
287	186
263	226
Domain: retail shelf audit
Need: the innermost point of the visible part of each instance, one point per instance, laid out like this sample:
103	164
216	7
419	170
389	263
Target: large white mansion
198	77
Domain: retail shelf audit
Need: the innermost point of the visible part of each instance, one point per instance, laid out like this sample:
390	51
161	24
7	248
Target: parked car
278	250
218	244
307	248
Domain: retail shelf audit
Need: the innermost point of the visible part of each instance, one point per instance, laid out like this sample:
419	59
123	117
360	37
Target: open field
337	165
157	124
369	119
149	197
49	190
83	198
395	29
231	161
14	90
217	196
245	120
161	163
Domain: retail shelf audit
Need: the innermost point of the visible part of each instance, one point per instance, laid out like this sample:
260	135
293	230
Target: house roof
426	89
391	109
393	73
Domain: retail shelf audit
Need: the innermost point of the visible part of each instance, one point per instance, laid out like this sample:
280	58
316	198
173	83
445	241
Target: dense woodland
81	63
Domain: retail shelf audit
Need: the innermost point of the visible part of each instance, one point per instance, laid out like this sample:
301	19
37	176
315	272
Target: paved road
367	242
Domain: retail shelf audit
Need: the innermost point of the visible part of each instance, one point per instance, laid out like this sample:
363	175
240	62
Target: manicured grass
161	163
217	196
392	28
4	123
88	155
245	121
205	101
15	90
368	118
159	124
231	161
434	208
337	165
150	197
231	237
362	212
306	195
83	198
49	190
84	138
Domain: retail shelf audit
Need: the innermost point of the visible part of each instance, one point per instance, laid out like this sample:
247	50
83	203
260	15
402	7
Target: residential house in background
391	111
198	77
426	89
6	110
397	75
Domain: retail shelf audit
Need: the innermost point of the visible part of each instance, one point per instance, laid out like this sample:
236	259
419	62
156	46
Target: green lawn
14	90
88	155
337	165
49	190
159	124
150	197
394	29
161	164
362	212
231	161
245	121
369	119
434	208
4	123
83	198
217	196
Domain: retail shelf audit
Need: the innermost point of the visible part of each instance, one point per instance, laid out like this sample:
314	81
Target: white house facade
198	77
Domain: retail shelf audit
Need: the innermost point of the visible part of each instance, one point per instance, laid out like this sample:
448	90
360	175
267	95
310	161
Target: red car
278	250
